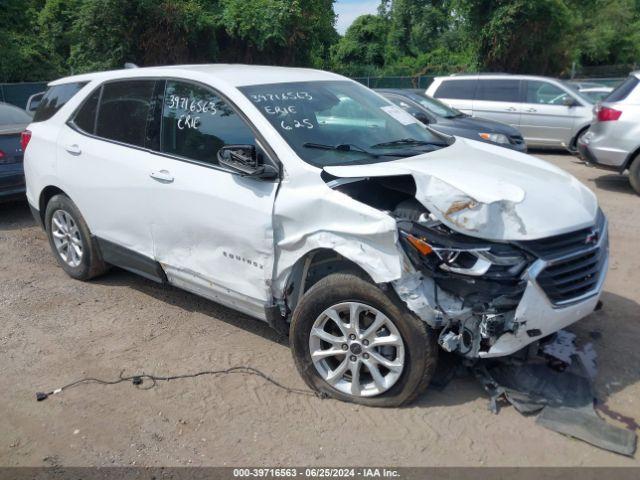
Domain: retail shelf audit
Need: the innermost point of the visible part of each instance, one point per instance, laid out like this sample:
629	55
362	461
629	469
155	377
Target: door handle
531	110
162	176
511	109
73	149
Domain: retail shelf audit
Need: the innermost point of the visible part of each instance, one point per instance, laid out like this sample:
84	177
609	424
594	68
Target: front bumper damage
544	301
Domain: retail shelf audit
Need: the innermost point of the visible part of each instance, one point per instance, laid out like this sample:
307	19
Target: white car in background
548	112
613	141
369	238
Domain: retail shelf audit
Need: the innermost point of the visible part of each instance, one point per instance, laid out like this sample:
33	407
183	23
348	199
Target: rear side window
196	122
498	90
623	90
85	118
124	109
458	89
55	98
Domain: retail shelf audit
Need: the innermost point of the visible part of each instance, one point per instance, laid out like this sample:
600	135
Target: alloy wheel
357	349
66	238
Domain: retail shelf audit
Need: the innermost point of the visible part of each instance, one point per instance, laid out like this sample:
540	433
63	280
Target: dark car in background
450	121
13	121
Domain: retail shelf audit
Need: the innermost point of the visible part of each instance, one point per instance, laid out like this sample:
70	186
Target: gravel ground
55	330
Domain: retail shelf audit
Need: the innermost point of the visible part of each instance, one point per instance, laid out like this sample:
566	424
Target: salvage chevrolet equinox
306	200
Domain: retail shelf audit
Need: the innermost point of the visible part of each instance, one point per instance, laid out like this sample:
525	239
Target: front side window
545	93
55	98
456	89
196	123
125	107
404	104
498	90
437	107
340	122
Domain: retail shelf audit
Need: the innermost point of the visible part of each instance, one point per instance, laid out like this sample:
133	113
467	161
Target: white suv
368	238
613	141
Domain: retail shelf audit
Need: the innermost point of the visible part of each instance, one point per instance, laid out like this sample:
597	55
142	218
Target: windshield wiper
350	147
403	142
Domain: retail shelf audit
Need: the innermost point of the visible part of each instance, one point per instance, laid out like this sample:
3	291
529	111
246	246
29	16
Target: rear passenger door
212	228
498	99
105	168
546	120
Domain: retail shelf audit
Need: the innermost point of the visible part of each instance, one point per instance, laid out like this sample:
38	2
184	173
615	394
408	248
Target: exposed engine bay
467	288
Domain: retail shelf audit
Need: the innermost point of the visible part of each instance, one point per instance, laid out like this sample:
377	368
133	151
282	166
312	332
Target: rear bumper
597	151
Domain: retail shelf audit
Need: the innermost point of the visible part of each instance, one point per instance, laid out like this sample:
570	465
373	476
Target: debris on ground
557	384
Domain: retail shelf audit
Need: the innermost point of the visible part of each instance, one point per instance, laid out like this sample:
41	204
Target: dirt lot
55	329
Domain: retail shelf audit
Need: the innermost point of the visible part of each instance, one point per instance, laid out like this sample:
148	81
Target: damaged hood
490	192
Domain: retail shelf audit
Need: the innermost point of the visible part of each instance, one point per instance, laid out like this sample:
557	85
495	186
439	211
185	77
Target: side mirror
569	101
244	159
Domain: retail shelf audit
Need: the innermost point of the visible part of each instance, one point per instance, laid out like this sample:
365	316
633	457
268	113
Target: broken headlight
442	251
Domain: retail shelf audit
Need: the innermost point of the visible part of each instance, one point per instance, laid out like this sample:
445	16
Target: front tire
70	239
351	341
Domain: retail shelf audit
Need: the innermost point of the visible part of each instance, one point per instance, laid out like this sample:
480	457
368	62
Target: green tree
363	45
527	36
282	32
21	51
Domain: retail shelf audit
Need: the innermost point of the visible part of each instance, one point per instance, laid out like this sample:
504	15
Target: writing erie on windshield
335	114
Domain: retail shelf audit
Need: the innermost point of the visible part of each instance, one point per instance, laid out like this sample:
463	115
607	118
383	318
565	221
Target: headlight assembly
465	257
495	137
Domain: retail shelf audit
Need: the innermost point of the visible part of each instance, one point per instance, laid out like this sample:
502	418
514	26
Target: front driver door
212	229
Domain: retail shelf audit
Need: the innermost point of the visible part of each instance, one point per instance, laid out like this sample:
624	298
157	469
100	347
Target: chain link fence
18	93
421	82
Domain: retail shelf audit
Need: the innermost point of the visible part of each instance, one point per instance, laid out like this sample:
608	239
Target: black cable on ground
138	380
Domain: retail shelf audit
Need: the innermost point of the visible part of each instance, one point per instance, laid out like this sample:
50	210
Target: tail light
25	137
2	154
606	114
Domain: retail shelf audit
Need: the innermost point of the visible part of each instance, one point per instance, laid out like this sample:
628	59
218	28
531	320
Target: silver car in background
547	111
613	141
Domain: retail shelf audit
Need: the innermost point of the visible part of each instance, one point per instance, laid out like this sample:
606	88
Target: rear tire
71	241
364	358
634	174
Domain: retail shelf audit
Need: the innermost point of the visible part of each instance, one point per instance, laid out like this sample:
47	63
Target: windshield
576	92
436	106
340	122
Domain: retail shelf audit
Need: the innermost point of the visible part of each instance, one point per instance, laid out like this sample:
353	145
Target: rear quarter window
458	89
623	90
55	98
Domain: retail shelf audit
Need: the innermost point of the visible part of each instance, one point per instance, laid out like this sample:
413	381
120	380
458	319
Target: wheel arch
574	141
46	195
631	158
312	267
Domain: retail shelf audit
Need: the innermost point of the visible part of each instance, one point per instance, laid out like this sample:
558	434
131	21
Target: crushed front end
490	299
